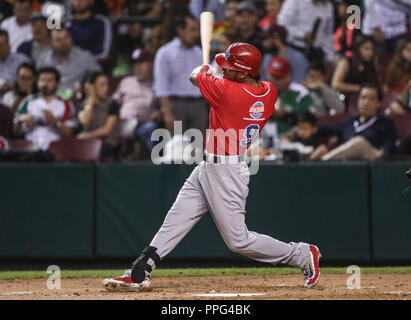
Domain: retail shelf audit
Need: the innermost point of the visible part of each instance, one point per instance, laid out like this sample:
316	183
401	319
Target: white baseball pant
222	189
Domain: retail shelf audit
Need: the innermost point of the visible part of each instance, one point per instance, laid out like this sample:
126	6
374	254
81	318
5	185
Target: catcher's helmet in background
241	56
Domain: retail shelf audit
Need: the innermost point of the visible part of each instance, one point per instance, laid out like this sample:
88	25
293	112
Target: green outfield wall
46	211
354	211
391	212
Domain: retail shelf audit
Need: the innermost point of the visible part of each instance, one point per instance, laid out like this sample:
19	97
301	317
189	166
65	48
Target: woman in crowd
399	70
272	8
99	115
25	85
352	72
397	80
402	103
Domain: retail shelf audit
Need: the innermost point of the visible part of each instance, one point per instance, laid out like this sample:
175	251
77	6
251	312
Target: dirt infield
331	286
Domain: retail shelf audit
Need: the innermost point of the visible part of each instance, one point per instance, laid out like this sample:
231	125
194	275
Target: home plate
222	294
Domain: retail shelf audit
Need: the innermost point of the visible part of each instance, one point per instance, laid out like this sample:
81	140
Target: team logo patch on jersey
256	110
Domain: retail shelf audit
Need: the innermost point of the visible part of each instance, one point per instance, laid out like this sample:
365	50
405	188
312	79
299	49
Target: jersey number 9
250	133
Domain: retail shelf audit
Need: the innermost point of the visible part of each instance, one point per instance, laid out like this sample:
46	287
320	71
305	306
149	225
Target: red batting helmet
241	56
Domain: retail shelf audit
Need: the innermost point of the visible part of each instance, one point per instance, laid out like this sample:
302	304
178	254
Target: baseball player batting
218	184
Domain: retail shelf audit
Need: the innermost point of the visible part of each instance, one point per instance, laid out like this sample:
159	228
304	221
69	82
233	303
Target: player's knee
143	265
238	242
236	246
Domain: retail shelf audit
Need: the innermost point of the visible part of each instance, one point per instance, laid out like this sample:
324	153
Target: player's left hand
207	68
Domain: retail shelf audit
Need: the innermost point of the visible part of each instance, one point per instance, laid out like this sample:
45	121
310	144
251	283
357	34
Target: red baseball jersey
238	112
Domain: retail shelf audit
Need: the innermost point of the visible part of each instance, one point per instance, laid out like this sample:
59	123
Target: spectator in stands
158	36
344	36
136	97
116	8
272	8
352	72
19	26
6	10
294	98
167	11
43	118
38	4
247	23
91	32
386	22
157	9
41	39
160	8
131	40
72	62
9	63
399	71
402	104
98	7
397	82
99	115
152	8
304	138
173	63
25	85
367	136
215	6
274	45
327	101
310	26
230	14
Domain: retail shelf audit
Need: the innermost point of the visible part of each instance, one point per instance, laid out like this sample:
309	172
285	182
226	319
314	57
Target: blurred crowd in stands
117	70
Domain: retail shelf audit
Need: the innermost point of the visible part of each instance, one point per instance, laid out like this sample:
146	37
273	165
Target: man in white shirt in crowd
45	117
19	25
386	21
310	24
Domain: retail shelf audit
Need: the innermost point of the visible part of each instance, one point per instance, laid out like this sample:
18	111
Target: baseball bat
206	32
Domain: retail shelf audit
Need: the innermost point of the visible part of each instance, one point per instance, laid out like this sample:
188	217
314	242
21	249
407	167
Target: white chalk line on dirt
398	292
228	294
284	285
19	293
